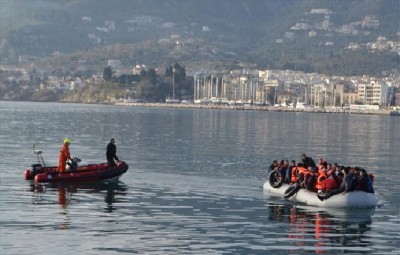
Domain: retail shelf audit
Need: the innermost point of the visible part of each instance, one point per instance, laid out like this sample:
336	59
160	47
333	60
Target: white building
373	93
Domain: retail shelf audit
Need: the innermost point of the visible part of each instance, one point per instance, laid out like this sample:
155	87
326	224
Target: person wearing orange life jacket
64	156
310	178
300	176
298	173
322	177
322	172
295	174
322	167
327	179
310	173
347	184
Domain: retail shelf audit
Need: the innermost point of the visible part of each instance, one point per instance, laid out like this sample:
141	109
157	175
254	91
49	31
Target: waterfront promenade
248	107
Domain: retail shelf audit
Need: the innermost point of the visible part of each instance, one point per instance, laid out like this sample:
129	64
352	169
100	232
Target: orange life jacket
297	171
295	174
320	180
326	184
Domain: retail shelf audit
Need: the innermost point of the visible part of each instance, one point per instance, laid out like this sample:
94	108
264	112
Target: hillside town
282	89
244	85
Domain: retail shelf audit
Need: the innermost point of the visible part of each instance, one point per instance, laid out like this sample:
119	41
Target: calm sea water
194	185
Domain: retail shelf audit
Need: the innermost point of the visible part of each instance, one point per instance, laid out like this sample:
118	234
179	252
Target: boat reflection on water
323	229
68	193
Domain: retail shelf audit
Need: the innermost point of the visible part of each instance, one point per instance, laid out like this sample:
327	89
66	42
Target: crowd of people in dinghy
326	179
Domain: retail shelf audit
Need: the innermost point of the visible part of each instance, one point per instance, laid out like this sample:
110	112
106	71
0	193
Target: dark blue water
195	182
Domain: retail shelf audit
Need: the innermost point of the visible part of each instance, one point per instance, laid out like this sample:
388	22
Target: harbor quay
249	107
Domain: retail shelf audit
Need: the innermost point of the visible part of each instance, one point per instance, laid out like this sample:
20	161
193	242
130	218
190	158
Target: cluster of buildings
381	44
39	79
63	84
288	88
318	22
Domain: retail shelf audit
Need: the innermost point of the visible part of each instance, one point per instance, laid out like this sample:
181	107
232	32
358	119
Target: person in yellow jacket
64	156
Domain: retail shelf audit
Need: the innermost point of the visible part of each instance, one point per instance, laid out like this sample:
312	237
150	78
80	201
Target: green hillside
216	34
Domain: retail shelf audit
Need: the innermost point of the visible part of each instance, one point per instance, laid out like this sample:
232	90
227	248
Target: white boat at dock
172	101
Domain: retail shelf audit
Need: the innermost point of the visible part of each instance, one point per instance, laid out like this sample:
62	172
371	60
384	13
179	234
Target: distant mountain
333	37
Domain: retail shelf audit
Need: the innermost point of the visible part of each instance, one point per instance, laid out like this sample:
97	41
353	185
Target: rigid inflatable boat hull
87	173
355	199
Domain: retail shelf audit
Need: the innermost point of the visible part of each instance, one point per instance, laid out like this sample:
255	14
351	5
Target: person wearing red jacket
64	156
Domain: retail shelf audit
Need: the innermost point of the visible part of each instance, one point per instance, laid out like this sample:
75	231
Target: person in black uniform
111	153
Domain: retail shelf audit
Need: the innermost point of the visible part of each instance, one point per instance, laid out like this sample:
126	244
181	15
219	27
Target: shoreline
261	108
245	107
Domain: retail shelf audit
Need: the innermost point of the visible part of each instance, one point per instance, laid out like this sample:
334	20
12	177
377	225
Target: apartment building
372	93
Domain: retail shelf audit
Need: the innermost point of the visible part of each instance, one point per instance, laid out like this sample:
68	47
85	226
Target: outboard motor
35	169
